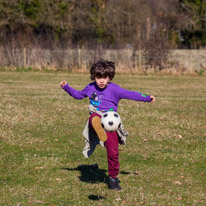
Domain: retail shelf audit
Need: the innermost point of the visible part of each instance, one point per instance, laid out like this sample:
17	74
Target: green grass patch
41	142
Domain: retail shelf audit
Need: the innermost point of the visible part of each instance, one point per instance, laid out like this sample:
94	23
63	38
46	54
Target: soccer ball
111	121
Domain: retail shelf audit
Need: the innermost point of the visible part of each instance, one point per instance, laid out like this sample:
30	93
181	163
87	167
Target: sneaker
114	183
96	123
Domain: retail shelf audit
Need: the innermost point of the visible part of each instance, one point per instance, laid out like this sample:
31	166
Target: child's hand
63	83
153	99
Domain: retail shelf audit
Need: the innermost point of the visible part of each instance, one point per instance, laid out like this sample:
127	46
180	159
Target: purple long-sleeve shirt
107	98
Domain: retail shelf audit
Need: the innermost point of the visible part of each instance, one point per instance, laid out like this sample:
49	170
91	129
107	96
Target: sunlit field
41	142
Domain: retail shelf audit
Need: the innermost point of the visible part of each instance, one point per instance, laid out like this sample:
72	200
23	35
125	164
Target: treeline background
50	29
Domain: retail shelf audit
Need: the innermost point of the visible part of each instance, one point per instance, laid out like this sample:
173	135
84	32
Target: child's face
102	82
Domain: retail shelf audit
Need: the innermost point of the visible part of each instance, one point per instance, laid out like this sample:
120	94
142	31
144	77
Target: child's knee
92	116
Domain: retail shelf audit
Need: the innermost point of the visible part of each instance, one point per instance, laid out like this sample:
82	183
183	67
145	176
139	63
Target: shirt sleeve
75	93
132	95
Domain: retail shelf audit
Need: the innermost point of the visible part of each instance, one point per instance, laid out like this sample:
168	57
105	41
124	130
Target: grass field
41	143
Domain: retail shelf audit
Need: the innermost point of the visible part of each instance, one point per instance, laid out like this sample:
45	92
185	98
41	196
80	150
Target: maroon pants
112	150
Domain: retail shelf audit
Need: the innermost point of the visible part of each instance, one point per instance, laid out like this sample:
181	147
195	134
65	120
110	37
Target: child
104	96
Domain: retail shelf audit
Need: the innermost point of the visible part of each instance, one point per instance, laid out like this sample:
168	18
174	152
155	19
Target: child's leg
112	154
91	117
95	123
111	145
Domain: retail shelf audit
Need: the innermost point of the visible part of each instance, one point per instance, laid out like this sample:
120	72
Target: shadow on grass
96	197
90	173
129	173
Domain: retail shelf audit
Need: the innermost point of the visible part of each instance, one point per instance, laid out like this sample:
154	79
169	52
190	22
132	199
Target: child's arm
63	83
73	92
133	95
153	99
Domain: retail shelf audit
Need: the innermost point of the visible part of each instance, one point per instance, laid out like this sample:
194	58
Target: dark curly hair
102	68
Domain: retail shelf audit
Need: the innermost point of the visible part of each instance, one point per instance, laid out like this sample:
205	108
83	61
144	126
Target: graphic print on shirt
95	100
143	95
